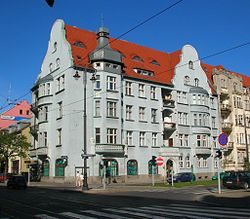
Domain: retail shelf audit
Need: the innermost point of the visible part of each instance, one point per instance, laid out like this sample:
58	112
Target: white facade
128	121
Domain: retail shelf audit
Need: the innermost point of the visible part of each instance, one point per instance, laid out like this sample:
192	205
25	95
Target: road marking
45	216
200	212
74	215
142	214
98	213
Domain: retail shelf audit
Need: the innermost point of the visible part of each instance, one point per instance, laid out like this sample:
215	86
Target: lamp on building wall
84	155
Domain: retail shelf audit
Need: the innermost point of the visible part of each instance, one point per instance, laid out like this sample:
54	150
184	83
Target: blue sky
209	25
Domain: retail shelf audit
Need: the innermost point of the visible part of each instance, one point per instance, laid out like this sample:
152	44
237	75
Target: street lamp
84	155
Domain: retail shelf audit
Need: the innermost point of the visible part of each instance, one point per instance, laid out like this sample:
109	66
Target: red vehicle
3	177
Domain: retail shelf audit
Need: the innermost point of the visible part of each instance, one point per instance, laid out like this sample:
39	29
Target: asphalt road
151	203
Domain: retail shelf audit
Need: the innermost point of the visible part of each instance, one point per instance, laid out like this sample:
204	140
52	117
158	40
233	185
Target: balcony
34	130
38	152
169	152
34	107
224	93
168	101
226	126
226	108
169	126
110	150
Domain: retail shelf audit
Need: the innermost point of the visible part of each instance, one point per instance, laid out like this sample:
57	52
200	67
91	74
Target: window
142	139
184	97
141	113
48	89
212	102
97	82
59	136
27	112
45	139
195	120
223	83
178	96
111	136
128	112
97	135
194	99
153	115
181	161
20	112
182	118
46	113
79	44
128	87
141	90
180	140
60	110
188	162
186	79
129	138
154	62
154	139
196	82
185	140
111	83
204	141
55	46
213	122
152	93
57	63
60	83
50	67
198	140
97	108
111	109
191	65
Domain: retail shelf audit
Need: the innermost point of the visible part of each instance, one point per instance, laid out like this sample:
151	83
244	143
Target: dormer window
191	65
196	82
79	44
144	72
137	58
154	62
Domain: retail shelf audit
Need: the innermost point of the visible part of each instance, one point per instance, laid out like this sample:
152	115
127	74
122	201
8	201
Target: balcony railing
34	107
226	107
34	130
227	126
111	150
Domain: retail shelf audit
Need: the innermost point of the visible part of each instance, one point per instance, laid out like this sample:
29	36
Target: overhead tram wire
203	58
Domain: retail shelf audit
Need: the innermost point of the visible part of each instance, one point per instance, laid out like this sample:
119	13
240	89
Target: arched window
46	168
50	67
59	167
151	168
191	65
196	82
186	79
132	167
181	161
235	86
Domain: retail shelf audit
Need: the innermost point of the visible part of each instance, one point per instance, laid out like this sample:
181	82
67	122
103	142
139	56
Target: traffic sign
223	139
159	161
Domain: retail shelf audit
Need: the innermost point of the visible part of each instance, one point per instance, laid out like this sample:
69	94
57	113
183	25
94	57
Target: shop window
59	167
46	168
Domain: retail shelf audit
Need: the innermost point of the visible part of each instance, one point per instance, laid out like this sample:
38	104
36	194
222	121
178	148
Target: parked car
240	179
16	182
215	177
182	177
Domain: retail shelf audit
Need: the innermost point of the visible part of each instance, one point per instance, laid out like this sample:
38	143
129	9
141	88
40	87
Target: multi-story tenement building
233	91
142	103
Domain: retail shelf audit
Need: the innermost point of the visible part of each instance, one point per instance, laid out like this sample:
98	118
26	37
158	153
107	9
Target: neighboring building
143	103
18	165
233	91
21	111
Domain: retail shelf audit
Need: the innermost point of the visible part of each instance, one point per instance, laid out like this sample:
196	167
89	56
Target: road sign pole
219	183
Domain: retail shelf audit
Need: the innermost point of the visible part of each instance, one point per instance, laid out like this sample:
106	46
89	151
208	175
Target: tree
12	145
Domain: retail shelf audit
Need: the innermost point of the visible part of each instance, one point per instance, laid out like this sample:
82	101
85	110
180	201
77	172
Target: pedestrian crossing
155	212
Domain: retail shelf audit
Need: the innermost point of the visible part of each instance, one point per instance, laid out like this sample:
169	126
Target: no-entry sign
159	161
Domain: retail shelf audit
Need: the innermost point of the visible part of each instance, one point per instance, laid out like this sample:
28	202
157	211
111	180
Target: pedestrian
81	179
78	179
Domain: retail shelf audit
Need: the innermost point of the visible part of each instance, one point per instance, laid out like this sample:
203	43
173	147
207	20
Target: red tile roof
163	73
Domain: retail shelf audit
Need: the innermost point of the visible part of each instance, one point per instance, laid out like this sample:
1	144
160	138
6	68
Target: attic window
144	72
137	58
191	65
79	44
154	62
